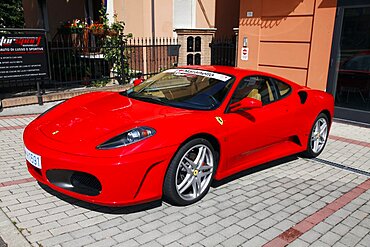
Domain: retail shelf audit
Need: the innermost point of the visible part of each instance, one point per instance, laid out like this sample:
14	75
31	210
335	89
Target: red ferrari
171	135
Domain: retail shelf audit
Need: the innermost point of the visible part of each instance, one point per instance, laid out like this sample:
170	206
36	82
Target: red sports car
171	135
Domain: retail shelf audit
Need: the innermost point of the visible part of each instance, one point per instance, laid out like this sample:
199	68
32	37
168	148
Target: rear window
282	88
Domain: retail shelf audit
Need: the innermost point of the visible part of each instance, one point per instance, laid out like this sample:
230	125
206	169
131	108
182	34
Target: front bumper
125	180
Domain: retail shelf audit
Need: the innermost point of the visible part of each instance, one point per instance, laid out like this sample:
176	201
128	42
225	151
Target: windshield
184	88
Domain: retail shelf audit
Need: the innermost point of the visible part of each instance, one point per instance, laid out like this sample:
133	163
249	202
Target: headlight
127	138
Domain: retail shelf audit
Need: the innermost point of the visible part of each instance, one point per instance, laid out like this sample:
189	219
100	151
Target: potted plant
77	26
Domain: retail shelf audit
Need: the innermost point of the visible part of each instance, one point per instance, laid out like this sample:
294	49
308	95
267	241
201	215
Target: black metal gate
223	51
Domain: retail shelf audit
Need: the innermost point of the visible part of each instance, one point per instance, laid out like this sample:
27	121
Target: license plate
33	158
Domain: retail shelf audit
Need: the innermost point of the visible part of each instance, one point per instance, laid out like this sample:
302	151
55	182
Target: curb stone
2	243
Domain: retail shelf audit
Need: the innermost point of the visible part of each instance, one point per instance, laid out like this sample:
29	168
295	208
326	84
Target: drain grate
344	167
2	243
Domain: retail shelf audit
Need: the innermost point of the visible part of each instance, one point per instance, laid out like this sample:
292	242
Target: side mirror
246	103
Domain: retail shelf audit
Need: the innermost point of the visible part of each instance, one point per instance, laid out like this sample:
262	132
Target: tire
317	140
190	173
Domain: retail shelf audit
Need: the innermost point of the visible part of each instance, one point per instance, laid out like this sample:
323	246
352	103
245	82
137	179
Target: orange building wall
164	18
290	38
210	7
136	15
222	14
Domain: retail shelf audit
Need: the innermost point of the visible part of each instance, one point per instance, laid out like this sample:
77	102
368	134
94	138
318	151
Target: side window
283	89
255	87
190	59
197	59
190	44
198	44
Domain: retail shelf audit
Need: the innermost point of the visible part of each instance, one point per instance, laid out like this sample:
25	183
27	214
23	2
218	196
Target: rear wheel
190	173
318	136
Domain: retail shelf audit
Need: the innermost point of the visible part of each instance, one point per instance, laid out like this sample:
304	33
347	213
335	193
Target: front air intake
79	182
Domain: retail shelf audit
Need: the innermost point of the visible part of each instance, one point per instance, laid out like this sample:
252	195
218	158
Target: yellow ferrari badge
55	132
219	120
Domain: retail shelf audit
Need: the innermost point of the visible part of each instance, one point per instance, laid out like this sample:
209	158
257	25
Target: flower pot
98	32
112	33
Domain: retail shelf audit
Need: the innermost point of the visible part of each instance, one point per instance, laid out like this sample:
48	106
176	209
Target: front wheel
318	136
190	173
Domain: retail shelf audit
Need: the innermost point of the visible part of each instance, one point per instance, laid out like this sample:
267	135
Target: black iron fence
223	51
149	56
84	59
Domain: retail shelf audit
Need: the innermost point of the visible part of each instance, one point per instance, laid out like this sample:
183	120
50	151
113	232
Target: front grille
81	179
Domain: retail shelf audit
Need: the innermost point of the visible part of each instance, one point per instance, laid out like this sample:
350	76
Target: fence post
236	33
145	58
123	65
38	94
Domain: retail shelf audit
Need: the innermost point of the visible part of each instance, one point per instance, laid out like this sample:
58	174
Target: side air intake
303	96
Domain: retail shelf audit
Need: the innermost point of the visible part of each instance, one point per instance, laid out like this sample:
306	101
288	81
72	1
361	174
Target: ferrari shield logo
219	120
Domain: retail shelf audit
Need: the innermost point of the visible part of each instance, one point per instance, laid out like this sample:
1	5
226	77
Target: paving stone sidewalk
252	210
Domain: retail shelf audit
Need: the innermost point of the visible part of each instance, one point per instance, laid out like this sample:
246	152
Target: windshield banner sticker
208	74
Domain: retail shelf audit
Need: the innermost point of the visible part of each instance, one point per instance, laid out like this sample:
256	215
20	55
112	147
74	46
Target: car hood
101	117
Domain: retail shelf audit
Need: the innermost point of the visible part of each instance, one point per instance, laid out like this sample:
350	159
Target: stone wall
205	35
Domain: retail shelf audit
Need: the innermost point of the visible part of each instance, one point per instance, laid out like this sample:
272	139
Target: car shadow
258	168
99	208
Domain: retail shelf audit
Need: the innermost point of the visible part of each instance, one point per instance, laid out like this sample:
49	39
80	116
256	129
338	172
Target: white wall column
110	11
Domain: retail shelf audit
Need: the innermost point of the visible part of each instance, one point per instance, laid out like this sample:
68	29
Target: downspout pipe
153	20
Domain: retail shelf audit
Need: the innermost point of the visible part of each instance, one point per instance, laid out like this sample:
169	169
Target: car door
251	131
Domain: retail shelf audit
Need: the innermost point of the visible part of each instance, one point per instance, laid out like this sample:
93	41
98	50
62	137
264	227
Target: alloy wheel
319	135
194	172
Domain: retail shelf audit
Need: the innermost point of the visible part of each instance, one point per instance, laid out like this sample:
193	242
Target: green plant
100	83
114	43
11	14
104	17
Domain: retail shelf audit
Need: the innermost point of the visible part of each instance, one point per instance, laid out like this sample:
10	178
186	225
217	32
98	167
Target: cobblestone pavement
295	201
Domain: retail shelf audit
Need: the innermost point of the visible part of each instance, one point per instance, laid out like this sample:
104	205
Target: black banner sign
22	57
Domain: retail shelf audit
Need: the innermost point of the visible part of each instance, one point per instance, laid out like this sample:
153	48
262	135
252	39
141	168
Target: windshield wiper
148	98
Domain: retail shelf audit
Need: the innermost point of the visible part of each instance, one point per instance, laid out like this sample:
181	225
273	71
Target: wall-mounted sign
250	14
22	56
245	53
